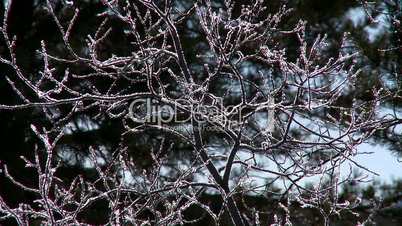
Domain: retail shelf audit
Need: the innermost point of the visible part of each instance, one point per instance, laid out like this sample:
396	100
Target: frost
240	122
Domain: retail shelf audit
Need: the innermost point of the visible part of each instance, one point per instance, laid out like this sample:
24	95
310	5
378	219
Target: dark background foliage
30	22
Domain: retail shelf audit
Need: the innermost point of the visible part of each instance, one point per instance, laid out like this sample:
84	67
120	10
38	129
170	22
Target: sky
381	161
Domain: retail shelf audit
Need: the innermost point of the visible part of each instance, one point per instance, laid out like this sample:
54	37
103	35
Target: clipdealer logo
152	111
210	116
